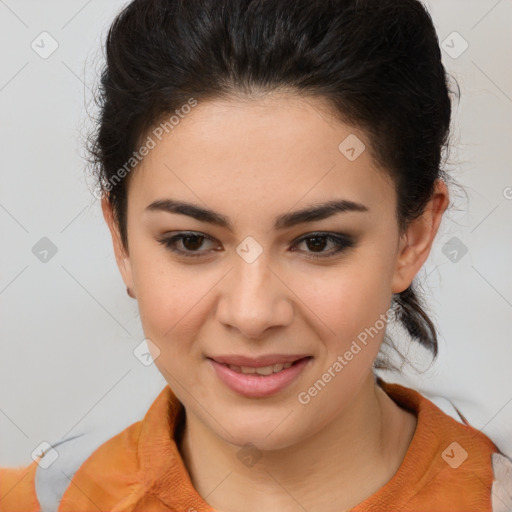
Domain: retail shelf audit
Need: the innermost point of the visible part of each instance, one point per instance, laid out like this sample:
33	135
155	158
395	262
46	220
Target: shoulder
17	489
102	461
449	463
74	452
42	484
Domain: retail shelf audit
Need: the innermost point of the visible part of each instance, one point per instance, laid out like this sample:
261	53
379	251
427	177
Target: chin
266	434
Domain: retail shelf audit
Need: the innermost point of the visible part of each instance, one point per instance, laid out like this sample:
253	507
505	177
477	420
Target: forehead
274	151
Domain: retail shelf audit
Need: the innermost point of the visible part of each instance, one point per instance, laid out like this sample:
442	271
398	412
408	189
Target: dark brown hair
377	63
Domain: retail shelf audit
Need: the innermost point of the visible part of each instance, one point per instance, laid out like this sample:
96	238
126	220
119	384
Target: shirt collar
166	477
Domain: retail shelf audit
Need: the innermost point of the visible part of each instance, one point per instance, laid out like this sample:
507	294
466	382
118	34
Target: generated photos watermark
151	142
357	345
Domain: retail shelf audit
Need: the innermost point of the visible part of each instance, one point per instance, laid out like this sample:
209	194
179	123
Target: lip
257	362
259	386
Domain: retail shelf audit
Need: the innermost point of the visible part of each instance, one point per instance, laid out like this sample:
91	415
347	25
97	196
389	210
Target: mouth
263	370
261	377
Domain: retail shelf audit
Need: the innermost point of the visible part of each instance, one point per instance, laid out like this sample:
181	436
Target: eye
191	242
317	242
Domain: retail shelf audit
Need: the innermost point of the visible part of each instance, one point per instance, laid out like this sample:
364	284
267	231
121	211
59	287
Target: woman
270	172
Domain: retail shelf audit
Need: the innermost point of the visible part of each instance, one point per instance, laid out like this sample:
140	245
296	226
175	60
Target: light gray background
68	329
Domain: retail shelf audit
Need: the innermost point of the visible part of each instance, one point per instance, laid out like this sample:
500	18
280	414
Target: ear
415	244
122	256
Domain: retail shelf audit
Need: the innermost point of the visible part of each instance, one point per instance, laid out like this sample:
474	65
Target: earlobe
121	254
416	242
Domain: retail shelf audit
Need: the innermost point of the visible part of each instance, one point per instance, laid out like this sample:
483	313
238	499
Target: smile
262	370
260	381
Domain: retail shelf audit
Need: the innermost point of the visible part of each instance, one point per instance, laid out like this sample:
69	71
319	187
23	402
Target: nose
254	298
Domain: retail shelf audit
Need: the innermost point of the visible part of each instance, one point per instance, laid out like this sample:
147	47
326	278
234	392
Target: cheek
173	307
346	299
171	297
170	305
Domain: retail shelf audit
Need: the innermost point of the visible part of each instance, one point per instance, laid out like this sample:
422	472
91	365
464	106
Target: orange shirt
447	467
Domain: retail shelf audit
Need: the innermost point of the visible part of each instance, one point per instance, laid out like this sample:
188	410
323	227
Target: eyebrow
312	213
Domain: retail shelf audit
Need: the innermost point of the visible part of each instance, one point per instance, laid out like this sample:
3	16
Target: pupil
317	245
194	238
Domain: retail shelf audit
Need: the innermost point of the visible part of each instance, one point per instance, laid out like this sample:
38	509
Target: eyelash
342	242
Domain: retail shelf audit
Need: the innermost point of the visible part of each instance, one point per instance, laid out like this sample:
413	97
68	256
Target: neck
363	447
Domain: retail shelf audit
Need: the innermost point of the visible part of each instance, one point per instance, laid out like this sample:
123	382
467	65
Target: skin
252	160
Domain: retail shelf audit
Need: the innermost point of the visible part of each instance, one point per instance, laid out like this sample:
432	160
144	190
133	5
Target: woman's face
254	279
